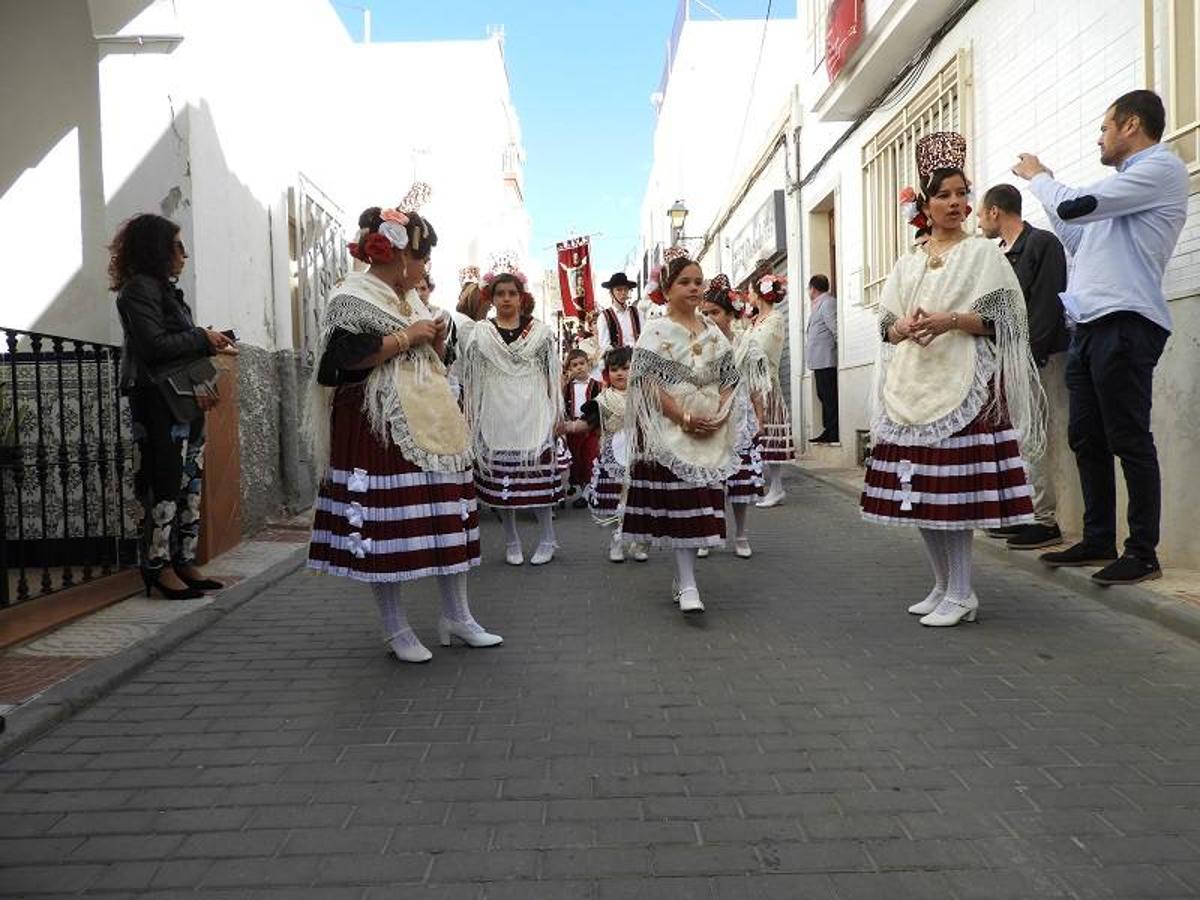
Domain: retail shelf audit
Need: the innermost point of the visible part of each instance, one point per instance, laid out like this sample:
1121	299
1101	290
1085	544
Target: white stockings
950	556
685	569
453	589
739	519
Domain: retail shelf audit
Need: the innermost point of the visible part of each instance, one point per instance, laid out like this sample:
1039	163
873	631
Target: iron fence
66	465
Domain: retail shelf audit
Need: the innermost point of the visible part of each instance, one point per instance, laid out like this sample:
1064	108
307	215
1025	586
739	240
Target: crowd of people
658	424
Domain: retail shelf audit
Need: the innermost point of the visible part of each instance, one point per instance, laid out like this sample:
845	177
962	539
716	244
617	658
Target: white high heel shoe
702	553
742	548
470	633
950	612
772	499
689	600
616	549
929	604
407	647
543	554
639	552
513	555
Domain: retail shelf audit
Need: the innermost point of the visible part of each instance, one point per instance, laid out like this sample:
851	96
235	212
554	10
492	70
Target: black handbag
182	387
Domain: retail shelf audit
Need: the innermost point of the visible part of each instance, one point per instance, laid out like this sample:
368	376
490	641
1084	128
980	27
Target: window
816	19
1182	85
889	164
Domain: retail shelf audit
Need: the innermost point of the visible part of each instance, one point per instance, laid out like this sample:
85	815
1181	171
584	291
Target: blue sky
581	72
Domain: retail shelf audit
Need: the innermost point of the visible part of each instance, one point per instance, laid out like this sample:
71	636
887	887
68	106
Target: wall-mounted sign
843	33
764	236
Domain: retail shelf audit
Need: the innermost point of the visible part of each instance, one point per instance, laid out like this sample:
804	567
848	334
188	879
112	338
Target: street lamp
678	214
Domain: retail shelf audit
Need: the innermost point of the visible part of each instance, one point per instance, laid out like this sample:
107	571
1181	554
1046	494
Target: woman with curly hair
396	501
146	258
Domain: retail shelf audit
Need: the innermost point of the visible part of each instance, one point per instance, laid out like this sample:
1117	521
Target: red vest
614	325
593	390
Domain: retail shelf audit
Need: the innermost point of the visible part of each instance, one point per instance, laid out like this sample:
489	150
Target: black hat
619	279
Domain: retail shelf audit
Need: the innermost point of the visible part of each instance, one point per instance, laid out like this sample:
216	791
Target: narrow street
803	739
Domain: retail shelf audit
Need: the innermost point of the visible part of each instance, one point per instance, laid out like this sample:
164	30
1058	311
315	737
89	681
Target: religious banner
575	276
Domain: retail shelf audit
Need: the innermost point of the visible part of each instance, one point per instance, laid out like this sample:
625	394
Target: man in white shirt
1121	233
619	325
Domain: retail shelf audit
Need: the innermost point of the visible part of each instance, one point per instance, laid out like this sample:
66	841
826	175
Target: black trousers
1110	375
168	480
827	393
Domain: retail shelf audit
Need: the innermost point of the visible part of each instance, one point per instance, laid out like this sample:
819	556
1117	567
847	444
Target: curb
29	722
1178	616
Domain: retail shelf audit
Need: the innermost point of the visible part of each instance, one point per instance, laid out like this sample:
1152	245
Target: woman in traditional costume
958	394
680	392
396	501
745	486
769	335
513	397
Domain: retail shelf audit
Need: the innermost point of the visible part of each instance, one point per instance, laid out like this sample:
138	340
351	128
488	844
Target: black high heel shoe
199	584
150	578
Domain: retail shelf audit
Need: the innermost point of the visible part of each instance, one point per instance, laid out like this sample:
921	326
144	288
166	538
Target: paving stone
805	739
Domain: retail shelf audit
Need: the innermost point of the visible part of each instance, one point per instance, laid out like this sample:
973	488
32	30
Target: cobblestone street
805	738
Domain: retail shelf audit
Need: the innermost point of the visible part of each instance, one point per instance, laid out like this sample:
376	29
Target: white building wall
1043	75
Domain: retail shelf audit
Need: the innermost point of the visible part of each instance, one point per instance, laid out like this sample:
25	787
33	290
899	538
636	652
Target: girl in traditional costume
607	414
745	486
958	394
680	392
769	334
513	395
396	501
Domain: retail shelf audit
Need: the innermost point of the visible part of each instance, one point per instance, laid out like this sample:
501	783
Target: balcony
893	31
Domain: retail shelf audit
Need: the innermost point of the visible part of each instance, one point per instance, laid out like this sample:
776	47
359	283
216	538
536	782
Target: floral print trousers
169	477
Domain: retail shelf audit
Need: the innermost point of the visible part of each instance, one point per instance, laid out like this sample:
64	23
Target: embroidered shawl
511	392
694	370
407	399
754	380
925	394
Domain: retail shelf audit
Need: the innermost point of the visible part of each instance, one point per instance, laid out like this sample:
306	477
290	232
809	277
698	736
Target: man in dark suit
1040	264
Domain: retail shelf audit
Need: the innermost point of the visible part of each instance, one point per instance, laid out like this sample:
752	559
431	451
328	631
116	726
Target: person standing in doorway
820	352
1121	233
1040	264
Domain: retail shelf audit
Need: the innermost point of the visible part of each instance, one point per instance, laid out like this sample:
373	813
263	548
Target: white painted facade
1037	77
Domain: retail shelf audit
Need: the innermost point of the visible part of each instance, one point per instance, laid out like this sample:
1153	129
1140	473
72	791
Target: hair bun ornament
910	209
940	150
771	286
719	283
418	195
468	275
673	253
654	291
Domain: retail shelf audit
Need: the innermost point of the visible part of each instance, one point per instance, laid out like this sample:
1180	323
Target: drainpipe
797	297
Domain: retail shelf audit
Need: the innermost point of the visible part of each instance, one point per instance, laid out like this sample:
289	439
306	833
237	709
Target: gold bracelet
954	320
402	342
687	421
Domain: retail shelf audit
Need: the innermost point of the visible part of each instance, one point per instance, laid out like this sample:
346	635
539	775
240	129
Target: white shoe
543	554
771	500
513	555
470	633
702	553
951	612
742	548
616	549
407	647
929	604
689	600
639	552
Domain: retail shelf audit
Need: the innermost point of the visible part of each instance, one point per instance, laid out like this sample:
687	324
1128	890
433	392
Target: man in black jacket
1040	264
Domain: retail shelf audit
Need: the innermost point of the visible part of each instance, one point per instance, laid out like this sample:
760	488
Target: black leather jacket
159	332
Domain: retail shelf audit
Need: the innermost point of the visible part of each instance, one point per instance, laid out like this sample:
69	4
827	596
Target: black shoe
1128	570
824	439
150	578
199	584
579	503
1078	555
1006	532
1031	537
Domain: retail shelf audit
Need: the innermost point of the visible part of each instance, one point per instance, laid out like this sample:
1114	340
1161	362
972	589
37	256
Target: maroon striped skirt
666	511
510	483
973	479
381	518
746	484
604	493
776	444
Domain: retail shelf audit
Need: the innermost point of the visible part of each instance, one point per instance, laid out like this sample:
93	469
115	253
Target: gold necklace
937	260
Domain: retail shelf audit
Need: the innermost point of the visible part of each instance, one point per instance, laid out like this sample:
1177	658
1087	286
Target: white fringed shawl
925	394
694	370
407	398
511	392
767	337
754	380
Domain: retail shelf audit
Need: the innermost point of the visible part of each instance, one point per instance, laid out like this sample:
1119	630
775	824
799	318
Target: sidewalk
68	667
1172	601
805	738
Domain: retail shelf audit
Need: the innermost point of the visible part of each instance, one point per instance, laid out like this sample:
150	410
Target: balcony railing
66	465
